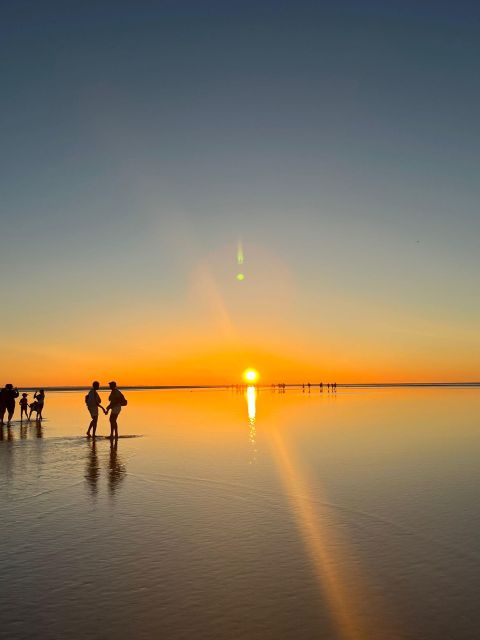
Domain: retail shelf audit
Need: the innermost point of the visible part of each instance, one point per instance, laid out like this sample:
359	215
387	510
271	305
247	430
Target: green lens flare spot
240	277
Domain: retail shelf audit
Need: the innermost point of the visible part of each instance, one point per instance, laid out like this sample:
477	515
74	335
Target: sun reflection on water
251	396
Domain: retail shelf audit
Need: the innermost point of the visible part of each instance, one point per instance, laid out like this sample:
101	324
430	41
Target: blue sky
338	140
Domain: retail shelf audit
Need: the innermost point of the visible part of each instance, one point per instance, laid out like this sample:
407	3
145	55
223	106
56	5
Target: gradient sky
338	141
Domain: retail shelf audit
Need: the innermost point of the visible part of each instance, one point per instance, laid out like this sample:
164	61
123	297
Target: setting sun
250	375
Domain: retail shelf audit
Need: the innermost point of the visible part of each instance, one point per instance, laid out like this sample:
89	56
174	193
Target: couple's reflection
114	467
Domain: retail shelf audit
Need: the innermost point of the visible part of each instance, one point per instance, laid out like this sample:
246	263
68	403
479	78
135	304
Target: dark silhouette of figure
328	386
309	385
321	386
93	402
37	404
334	386
24	406
116	402
303	388
116	469
7	402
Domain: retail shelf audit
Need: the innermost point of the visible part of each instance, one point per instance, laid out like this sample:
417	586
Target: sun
250	375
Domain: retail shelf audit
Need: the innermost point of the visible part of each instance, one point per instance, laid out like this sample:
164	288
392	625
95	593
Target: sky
336	142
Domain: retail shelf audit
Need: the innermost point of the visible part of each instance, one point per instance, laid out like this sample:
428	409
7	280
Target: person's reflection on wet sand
92	472
116	469
36	429
6	433
23	431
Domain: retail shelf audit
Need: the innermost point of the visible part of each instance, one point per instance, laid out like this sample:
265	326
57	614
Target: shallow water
245	515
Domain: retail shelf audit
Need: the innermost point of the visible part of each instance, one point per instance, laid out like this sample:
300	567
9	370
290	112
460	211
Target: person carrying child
37	404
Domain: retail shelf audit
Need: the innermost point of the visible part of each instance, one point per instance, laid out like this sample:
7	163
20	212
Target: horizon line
147	387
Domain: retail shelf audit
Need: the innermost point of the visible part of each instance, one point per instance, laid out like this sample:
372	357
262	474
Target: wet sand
245	515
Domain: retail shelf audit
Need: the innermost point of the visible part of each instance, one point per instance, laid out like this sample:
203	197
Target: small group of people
331	386
8	397
93	401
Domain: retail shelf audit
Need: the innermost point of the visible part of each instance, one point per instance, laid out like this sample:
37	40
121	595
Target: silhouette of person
23	406
7	402
93	402
309	385
116	402
37	405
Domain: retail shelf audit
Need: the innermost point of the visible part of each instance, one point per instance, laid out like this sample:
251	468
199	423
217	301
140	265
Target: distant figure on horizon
116	402
7	402
24	406
309	385
321	386
93	402
37	404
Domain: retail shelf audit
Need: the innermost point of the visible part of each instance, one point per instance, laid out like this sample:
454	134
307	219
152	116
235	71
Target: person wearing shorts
117	401
24	406
93	402
7	402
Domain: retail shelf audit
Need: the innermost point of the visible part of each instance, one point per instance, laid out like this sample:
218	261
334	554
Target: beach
245	514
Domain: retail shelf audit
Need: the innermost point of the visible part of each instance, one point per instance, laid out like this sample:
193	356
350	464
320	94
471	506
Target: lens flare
240	259
240	253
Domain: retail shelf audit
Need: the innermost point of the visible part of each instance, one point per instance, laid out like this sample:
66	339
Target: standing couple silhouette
116	401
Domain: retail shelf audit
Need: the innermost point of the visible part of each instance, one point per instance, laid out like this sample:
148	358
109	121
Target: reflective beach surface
252	514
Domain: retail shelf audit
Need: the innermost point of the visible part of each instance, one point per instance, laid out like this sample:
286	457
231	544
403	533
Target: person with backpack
93	402
117	400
